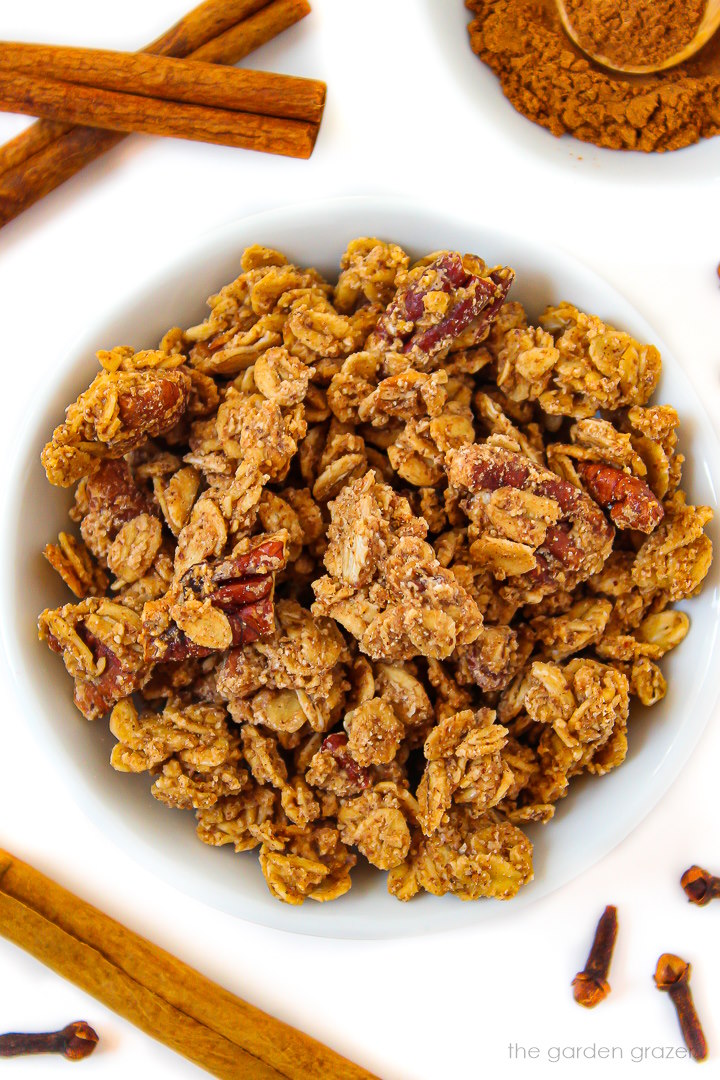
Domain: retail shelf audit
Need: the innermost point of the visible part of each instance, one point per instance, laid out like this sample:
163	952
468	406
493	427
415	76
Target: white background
409	111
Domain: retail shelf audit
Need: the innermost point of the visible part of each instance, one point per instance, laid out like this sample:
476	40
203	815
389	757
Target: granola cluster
373	569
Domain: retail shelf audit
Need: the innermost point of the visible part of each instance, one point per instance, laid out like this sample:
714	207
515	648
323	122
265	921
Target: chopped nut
123	407
99	641
215	605
539	532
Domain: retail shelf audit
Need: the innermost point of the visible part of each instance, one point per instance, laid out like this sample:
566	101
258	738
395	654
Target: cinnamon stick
60	151
153	990
190	81
110	110
205	23
238	41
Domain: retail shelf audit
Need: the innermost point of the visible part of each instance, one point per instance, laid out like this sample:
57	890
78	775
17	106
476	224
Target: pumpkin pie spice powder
550	81
632	33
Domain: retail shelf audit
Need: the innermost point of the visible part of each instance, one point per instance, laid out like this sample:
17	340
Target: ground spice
634	32
549	80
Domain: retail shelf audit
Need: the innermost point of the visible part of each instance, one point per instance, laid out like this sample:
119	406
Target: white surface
590	822
403	117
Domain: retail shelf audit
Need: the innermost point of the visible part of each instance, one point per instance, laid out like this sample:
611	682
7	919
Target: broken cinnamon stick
153	990
47	154
54	99
190	81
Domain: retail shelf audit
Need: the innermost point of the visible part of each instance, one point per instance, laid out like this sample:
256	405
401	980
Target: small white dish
698	162
599	812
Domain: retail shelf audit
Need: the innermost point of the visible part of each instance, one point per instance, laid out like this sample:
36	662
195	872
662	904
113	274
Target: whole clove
700	886
74	1042
673	975
590	986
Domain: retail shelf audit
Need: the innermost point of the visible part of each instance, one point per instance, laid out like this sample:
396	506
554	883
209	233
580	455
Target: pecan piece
217	605
263	556
416	324
335	744
99	641
119	411
533	529
107	501
484	299
629	500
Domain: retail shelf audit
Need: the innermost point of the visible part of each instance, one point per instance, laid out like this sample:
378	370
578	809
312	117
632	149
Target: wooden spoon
706	28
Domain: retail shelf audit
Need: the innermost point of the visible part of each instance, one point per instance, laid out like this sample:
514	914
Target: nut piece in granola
99	641
534	530
216	605
136	397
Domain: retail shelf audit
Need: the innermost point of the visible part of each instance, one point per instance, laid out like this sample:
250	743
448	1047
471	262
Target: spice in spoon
629	32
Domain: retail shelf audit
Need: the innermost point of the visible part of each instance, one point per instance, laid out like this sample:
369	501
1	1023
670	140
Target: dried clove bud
590	986
700	886
74	1042
673	975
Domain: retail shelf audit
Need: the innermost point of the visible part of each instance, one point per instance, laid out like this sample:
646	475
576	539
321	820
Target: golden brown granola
373	568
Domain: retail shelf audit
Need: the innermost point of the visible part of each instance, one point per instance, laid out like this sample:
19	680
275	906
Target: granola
373	570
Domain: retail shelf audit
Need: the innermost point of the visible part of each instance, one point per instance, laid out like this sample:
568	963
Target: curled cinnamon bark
49	153
127	112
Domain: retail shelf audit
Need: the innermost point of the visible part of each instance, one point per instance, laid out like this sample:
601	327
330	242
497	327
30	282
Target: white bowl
597	815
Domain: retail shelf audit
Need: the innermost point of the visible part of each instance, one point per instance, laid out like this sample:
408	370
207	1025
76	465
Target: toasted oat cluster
373	567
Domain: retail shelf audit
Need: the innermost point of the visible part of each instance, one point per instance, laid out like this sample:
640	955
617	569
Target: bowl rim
86	792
